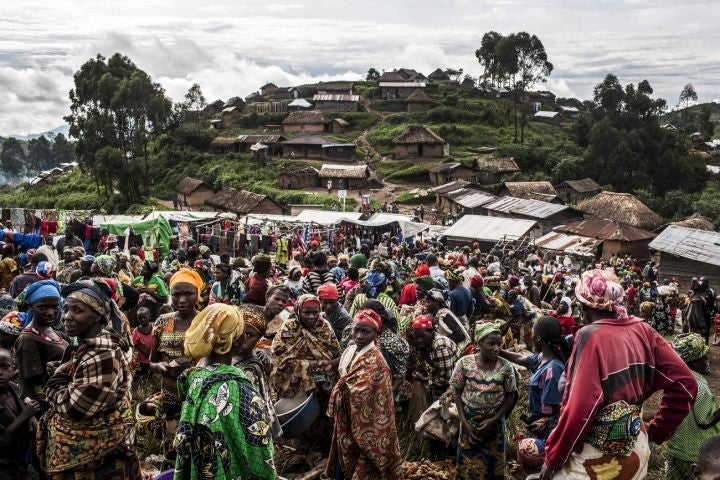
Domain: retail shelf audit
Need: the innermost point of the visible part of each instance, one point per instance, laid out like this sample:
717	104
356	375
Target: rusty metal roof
523	206
606	230
568	243
699	245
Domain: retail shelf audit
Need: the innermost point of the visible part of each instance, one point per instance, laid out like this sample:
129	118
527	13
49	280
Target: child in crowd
707	466
702	422
142	340
15	415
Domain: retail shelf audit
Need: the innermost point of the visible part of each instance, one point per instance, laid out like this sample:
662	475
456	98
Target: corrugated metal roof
544	114
606	230
699	245
402	84
336	98
326	217
449	187
574	244
474	199
523	206
479	227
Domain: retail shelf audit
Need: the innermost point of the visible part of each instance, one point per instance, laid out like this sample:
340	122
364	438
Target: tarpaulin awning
159	226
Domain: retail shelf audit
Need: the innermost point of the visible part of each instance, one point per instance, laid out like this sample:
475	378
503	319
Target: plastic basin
297	414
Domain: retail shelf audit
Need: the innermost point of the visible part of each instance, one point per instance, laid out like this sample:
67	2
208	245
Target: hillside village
406	143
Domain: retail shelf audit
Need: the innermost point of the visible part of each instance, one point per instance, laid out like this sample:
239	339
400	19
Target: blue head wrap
374	280
37	291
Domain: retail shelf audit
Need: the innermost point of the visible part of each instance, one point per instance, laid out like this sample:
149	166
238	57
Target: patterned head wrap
106	264
477	281
78	252
690	346
599	289
482	330
199	264
97	295
436	296
253	317
369	317
374	281
454	275
12	324
203	249
186	275
304	301
45	270
647	309
422	322
214	329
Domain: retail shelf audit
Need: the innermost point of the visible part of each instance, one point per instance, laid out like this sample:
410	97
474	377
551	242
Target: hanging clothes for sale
281	252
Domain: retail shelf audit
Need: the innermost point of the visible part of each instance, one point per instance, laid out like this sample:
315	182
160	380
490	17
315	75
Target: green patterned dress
224	431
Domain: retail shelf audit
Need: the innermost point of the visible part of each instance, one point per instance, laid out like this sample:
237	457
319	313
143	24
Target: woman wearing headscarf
547	367
88	433
485	387
39	342
445	321
224	429
227	287
564	314
167	357
365	440
254	362
374	288
600	425
300	346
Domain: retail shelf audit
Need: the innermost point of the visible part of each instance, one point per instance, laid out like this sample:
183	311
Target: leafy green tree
40	154
12	158
372	74
63	150
488	57
115	104
708	205
454	73
704	123
195	102
687	95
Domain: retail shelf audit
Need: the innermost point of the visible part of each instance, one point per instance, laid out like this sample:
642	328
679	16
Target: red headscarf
328	291
422	322
369	317
422	270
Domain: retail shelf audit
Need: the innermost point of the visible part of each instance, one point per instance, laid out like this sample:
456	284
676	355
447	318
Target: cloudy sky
232	47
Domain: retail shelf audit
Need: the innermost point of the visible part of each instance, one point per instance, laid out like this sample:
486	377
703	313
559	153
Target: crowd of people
371	334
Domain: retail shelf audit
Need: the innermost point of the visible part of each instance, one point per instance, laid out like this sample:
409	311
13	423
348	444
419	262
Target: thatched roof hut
439	74
243	202
696	221
540	190
188	185
418	134
497	164
305	118
621	207
418	96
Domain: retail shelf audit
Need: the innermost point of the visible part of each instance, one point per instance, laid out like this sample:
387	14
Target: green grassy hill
465	121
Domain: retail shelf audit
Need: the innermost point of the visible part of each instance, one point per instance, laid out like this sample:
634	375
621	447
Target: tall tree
372	74
488	59
40	154
115	104
12	158
454	73
687	95
195	102
63	150
532	67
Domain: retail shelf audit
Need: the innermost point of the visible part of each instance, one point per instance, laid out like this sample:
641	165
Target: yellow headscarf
187	275
214	329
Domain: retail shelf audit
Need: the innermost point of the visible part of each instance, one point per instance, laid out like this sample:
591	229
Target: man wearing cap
333	312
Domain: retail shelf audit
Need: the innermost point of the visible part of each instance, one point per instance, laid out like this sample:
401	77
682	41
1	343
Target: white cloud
231	48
